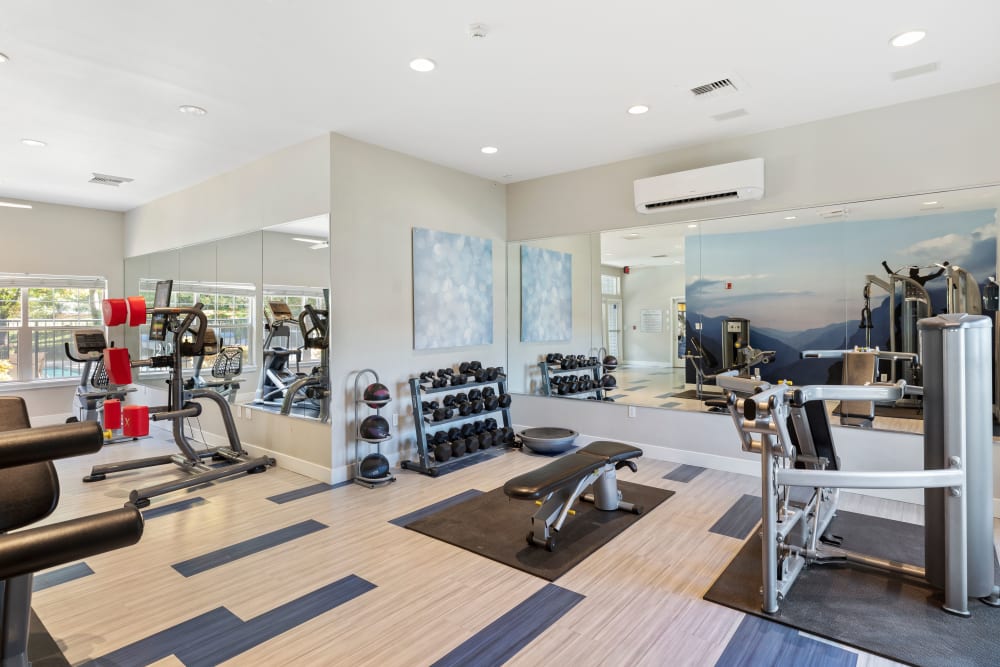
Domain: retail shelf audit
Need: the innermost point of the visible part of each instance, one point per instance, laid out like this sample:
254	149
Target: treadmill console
280	310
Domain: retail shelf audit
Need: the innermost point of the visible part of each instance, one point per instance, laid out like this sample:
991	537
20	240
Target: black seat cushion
613	452
553	476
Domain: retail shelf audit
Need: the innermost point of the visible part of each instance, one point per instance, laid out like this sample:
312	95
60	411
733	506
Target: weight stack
957	358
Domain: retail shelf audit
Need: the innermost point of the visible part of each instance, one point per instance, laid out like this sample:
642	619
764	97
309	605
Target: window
611	285
229	308
296	298
37	316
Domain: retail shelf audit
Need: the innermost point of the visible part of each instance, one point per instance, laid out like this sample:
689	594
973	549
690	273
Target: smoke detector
477	30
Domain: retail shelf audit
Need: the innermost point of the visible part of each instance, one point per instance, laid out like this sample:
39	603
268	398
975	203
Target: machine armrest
36	549
45	443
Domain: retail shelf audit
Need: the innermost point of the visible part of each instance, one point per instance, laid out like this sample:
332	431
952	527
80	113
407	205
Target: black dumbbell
465	409
461	397
454	433
505	400
448	401
550	358
442	451
485	440
475	395
463	367
445	372
458	380
471	444
556	381
439	382
489	391
478	406
564	388
491	403
478	427
474	366
438	438
427	376
430	406
458	447
490	424
467	430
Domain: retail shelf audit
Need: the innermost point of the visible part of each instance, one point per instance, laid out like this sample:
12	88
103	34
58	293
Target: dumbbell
448	401
478	406
471	444
504	400
474	366
461	397
569	363
439	382
564	388
454	433
592	361
445	372
468	430
478	427
485	440
427	376
458	447
475	395
481	375
438	438
465	409
550	358
491	403
463	368
442	451
489	391
490	424
441	414
458	379
556	381
430	406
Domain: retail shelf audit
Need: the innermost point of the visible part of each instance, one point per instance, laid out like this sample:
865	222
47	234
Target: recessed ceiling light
34	143
3	58
489	150
929	203
192	109
10	204
632	235
638	109
789	217
692	225
298	238
908	38
422	64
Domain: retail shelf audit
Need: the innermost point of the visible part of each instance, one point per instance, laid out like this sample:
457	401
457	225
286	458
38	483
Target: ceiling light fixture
692	225
489	150
929	203
632	235
10	204
322	245
305	240
192	110
3	58
908	38
34	143
789	217
422	64
638	109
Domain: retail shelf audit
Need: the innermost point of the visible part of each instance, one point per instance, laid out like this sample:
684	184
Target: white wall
377	197
60	240
650	287
936	143
291	184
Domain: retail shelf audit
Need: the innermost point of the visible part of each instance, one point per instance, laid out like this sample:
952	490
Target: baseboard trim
292	463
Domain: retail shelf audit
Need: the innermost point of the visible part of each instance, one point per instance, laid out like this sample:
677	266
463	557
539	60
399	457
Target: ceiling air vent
715	88
105	179
658	256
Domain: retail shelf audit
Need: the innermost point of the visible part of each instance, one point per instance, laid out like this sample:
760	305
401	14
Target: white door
613	327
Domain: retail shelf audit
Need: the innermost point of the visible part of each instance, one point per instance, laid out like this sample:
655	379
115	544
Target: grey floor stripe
684	473
670	404
499	641
179	506
305	491
617	396
60	576
635	388
761	642
740	519
218	635
246	548
436	507
667	395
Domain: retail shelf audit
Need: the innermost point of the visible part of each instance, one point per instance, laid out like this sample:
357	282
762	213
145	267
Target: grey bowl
548	439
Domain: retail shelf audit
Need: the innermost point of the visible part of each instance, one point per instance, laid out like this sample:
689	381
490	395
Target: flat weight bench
558	485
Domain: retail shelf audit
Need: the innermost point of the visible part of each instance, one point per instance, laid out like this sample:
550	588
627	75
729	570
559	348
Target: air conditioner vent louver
692	200
722	85
106	179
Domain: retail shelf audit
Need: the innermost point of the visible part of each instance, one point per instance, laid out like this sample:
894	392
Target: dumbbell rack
424	463
359	401
548	372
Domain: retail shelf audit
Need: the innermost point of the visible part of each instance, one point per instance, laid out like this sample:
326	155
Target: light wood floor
643	590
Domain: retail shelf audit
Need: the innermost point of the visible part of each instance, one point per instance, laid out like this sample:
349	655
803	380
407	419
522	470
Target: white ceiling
101	81
640	247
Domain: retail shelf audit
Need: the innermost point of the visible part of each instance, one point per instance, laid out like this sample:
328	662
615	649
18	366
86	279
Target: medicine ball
376	395
505	400
610	363
374	427
608	381
374	466
489	391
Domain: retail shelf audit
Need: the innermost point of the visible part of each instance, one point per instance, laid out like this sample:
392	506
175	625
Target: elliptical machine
188	328
311	391
276	376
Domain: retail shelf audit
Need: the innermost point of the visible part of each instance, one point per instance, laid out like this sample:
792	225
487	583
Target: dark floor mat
692	394
889	411
494	526
892	616
42	649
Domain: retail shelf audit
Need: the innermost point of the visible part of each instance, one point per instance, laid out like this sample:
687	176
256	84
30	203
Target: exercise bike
226	369
95	389
311	392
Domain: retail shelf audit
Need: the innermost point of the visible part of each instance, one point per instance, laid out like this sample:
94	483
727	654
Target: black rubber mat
692	394
494	526
42	649
893	616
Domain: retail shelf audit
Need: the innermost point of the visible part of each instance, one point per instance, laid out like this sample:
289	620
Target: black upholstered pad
611	451
552	477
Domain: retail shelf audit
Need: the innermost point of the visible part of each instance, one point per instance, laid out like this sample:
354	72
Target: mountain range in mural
801	288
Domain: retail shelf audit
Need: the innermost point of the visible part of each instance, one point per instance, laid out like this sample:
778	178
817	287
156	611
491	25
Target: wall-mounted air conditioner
734	181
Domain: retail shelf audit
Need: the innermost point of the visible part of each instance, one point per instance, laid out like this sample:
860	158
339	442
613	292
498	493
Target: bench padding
568	469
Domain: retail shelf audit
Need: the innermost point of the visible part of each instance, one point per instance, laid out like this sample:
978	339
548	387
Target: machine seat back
809	429
30	492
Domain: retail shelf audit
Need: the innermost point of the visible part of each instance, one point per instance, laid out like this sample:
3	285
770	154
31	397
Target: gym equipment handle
45	443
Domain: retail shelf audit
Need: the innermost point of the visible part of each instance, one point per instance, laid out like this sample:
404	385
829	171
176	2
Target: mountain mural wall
801	287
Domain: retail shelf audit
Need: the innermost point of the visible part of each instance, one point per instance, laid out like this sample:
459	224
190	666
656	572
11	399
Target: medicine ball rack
422	421
551	370
370	482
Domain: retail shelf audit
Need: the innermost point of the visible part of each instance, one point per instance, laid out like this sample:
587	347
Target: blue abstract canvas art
546	295
452	290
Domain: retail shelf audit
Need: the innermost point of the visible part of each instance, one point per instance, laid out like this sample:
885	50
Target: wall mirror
753	292
235	279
